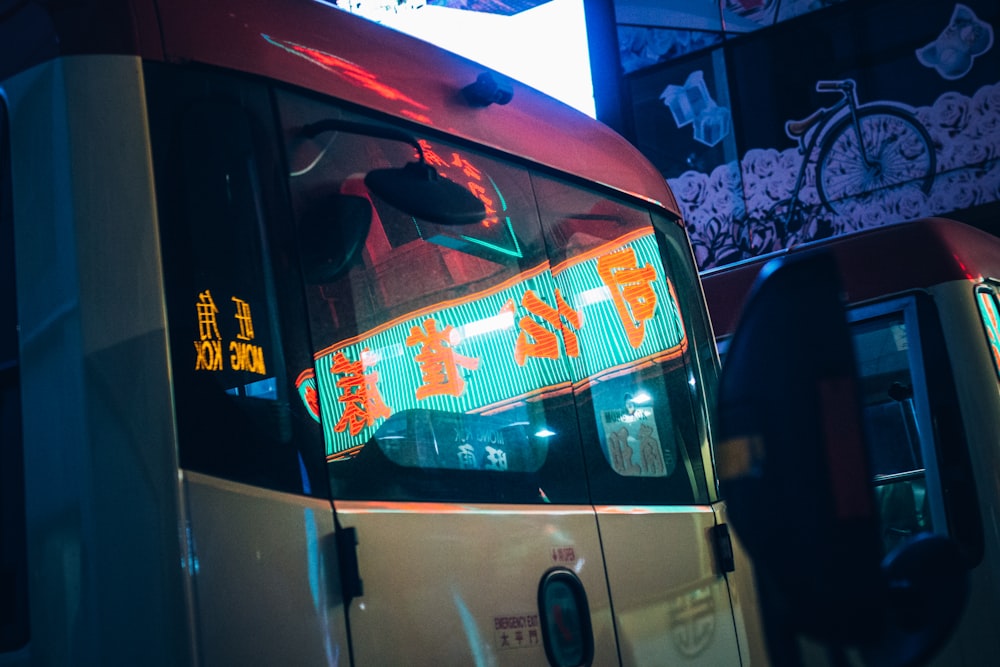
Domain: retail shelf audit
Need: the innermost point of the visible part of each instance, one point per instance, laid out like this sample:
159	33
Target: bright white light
592	296
371	357
544	433
641	398
544	47
501	322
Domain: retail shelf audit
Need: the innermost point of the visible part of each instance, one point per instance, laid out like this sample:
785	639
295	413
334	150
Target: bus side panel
458	584
102	503
265	576
671	606
744	592
978	388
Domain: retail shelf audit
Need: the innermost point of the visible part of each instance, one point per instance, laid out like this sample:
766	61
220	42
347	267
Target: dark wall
733	166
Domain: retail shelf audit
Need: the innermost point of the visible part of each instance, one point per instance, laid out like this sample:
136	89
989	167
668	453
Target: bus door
642	380
475	384
452	442
919	445
258	541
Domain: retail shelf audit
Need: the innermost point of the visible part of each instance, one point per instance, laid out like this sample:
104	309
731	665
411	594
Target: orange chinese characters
208	347
631	291
312	400
472	176
360	396
438	361
430	155
483	196
244	319
245	356
534	340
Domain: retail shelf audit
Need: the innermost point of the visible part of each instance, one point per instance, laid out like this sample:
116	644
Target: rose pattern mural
642	46
728	211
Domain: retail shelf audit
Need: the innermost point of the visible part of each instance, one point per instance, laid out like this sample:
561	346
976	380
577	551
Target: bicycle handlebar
834	86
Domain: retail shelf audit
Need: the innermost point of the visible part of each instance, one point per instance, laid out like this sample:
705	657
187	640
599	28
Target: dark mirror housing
927	586
488	89
792	460
793	467
416	188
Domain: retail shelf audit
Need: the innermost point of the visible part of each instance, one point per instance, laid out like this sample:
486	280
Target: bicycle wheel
900	155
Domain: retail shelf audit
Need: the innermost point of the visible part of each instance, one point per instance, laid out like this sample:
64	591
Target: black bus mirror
416	188
419	190
794	469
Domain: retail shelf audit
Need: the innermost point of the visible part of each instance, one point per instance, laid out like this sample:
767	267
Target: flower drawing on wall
963	39
743	209
642	46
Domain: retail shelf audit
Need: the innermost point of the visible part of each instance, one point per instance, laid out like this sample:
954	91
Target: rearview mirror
416	188
792	461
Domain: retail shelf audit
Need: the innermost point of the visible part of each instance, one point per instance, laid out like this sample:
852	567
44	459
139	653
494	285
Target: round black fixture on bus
488	89
565	619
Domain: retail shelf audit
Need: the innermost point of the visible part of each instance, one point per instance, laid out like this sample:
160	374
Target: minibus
923	307
323	346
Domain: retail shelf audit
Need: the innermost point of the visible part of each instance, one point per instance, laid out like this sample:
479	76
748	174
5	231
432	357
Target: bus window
634	375
882	346
989	311
215	175
13	559
896	408
923	479
485	362
432	378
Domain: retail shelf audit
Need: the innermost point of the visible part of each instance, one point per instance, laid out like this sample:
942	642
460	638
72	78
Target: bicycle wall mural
843	153
930	161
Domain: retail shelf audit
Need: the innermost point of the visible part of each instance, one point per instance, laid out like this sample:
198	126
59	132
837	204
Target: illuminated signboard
554	328
243	353
494	236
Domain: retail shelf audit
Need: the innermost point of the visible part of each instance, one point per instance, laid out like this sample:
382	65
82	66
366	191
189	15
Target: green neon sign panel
556	328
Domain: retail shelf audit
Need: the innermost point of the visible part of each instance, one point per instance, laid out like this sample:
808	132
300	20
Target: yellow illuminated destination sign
241	353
